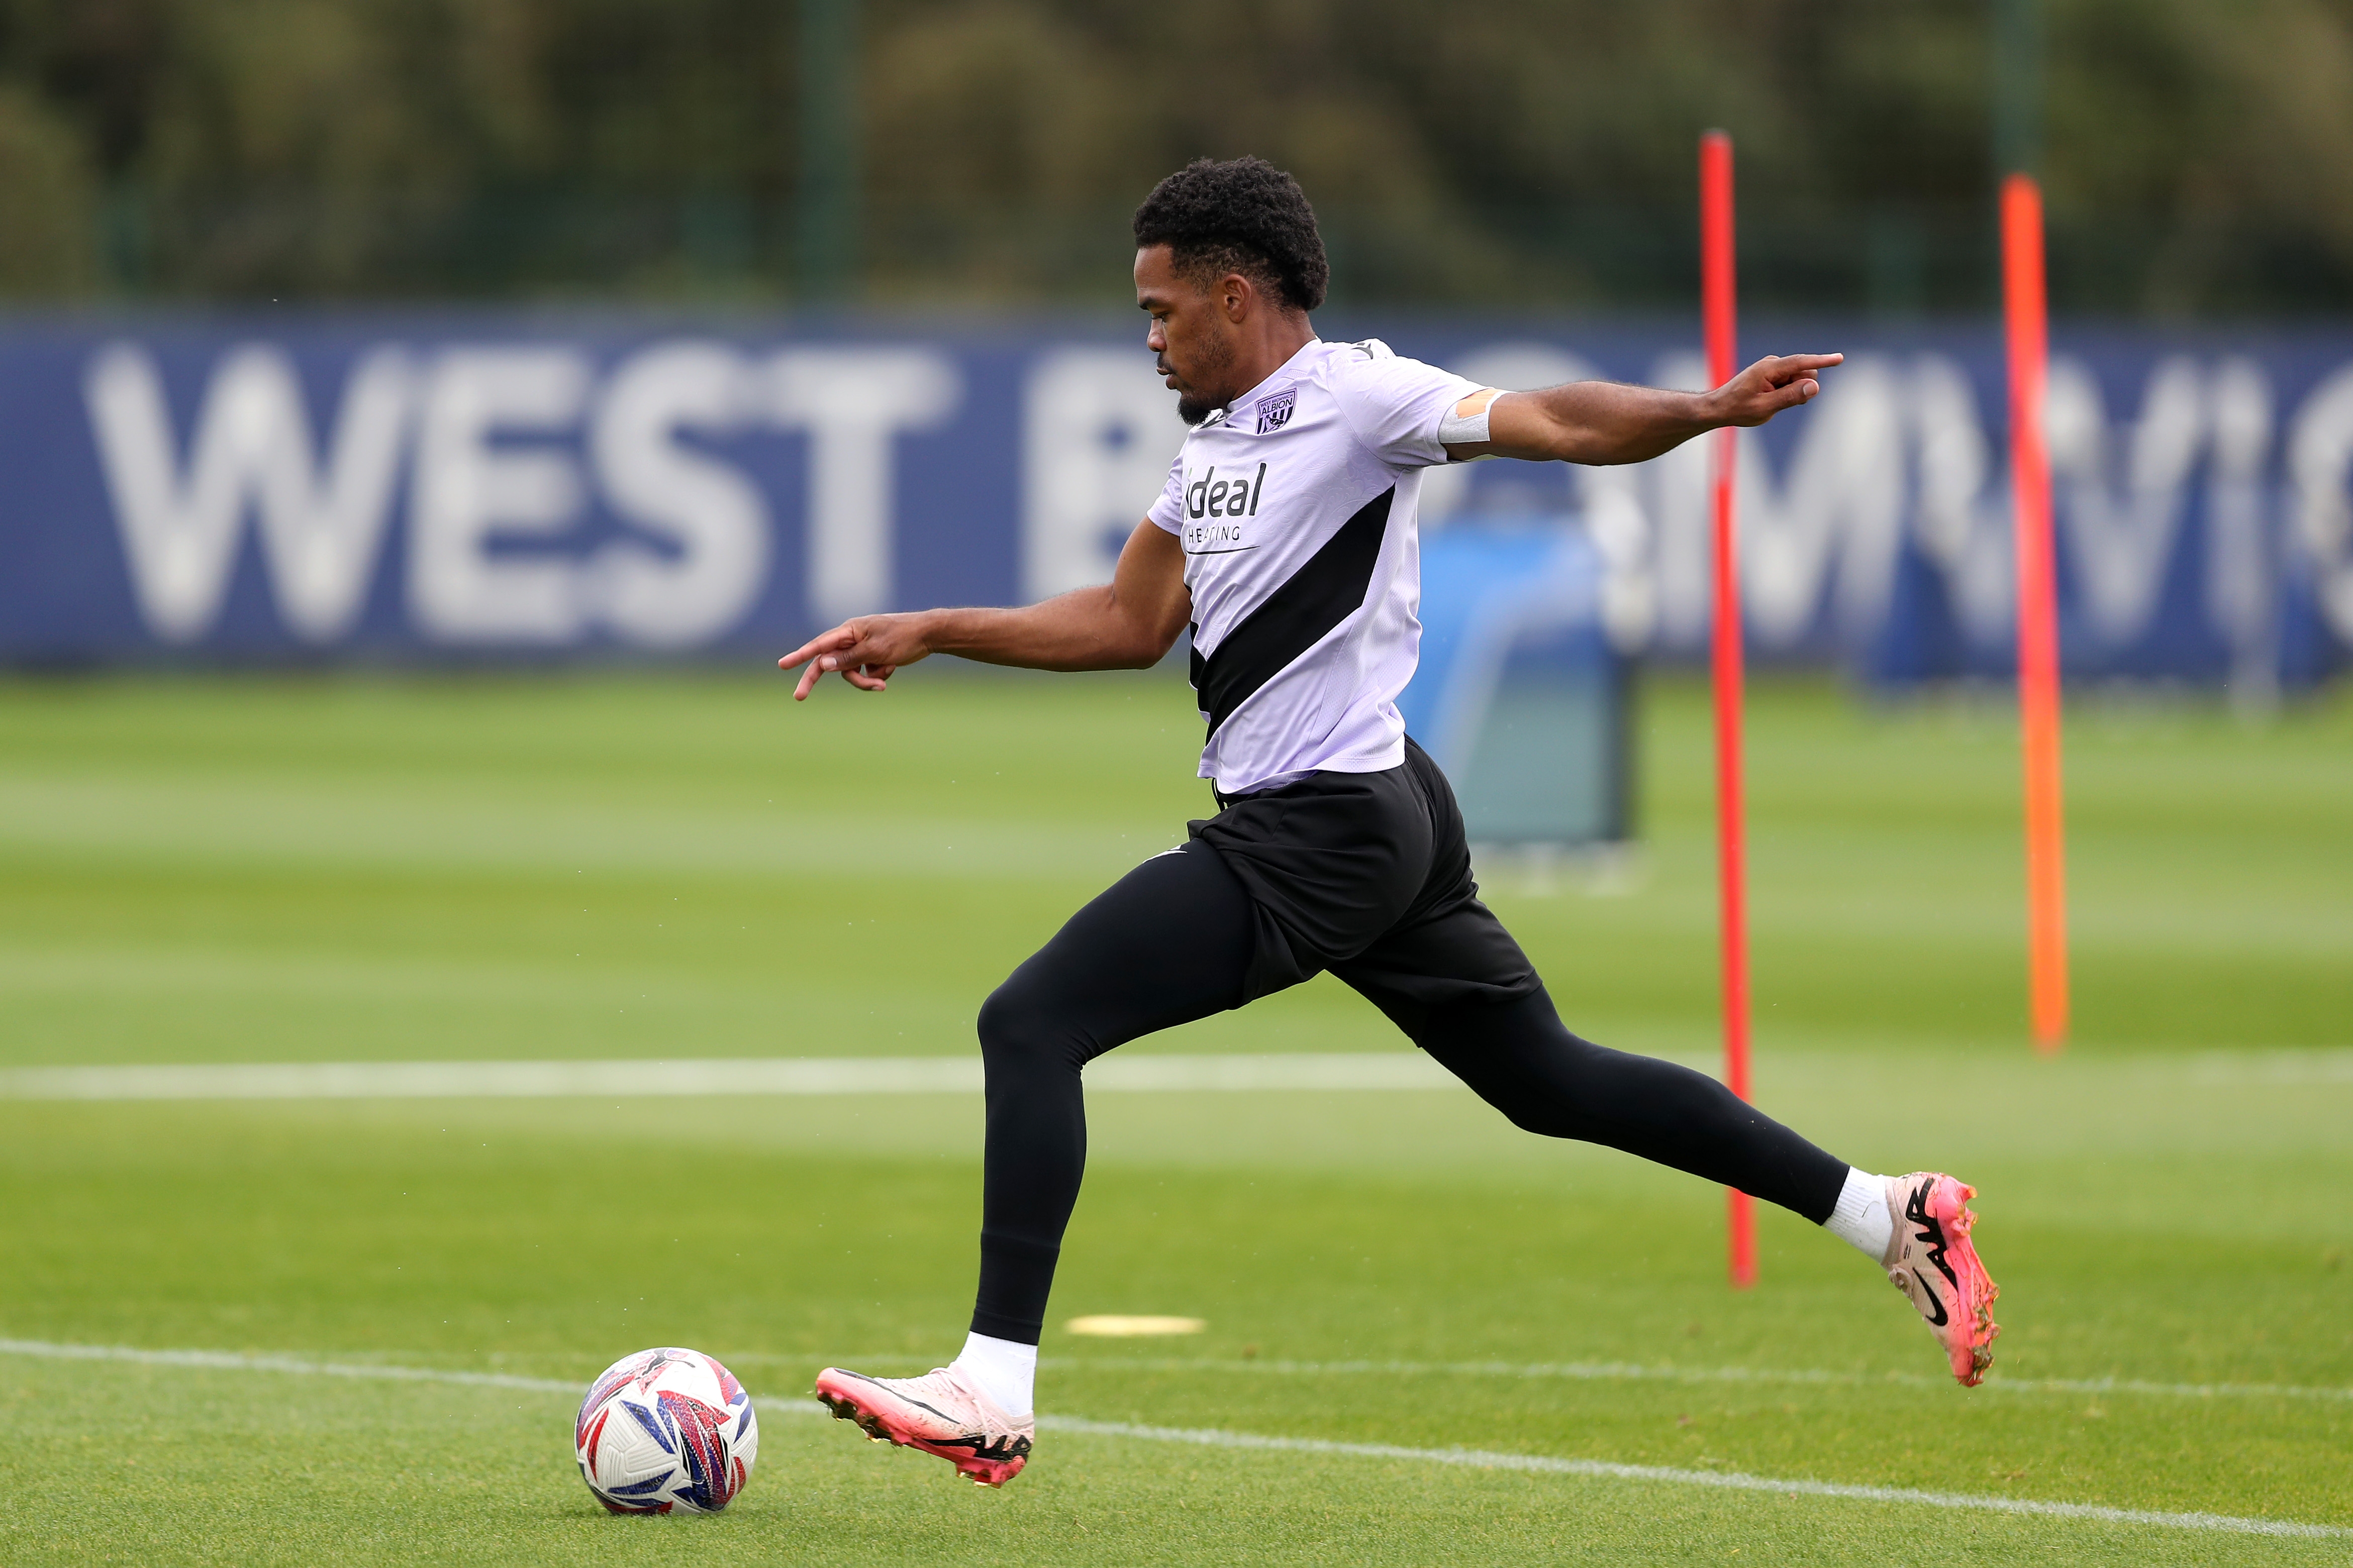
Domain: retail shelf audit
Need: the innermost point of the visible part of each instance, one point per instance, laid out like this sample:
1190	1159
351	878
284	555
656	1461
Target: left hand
1772	384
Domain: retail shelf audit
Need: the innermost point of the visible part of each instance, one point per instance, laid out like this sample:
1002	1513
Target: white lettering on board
470	493
250	449
854	402
1099	432
712	519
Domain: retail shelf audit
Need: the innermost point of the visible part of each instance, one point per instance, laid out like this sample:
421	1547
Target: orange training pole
1717	302
2038	613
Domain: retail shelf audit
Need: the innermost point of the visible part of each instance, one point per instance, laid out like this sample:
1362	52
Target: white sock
1004	1369
1860	1218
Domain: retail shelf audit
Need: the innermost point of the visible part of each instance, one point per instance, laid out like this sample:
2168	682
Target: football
666	1430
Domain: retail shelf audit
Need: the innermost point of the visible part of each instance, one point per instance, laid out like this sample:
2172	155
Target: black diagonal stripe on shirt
1296	617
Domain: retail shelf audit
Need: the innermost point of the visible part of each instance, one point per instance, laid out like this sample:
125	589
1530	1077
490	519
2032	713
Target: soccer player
1286	541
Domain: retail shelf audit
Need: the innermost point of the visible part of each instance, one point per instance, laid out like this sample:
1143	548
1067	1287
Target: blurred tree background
1517	153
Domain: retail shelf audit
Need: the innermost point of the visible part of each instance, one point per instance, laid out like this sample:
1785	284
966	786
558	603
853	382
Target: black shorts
1368	875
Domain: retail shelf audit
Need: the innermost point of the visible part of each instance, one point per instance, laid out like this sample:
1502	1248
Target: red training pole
1717	290
2038	611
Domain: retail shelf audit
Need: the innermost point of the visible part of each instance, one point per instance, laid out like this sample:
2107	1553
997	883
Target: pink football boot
941	1413
1933	1261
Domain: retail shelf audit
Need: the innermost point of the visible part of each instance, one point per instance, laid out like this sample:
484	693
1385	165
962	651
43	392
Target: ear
1236	295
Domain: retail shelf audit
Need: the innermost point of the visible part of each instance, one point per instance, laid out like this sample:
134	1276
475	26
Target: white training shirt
1296	507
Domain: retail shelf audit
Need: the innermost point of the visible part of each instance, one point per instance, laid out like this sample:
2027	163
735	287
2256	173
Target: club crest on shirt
1275	410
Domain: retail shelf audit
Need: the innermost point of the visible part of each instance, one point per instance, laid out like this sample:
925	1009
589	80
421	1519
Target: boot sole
1983	1329
981	1472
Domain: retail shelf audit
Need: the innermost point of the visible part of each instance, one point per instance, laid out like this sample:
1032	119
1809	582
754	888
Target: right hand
865	652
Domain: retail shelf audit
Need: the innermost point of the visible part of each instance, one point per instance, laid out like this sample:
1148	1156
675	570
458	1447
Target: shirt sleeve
1168	512
1394	405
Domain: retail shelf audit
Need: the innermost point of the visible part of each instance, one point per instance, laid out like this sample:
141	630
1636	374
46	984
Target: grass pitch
199	870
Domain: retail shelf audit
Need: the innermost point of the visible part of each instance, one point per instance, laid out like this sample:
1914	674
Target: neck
1277	337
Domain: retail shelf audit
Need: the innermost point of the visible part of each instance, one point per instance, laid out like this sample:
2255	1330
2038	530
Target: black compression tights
1171	943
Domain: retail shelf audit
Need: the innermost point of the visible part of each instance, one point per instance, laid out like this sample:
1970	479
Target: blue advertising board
389	487
1519	696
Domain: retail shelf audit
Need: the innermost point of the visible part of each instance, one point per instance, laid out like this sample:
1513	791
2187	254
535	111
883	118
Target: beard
1216	358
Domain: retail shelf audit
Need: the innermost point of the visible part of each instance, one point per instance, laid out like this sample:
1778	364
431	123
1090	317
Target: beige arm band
1466	423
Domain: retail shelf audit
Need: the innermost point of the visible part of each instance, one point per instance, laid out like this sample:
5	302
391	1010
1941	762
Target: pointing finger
840	637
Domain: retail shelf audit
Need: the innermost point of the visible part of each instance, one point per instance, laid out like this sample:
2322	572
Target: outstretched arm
1604	422
1125	625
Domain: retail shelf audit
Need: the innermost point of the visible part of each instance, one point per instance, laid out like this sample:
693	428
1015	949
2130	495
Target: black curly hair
1243	216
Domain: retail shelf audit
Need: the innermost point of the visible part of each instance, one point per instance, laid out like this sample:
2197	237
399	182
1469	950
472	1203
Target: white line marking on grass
750	1075
1468	1458
1596	1370
1633	1372
1312	1071
1729	1480
234	1360
2272	1068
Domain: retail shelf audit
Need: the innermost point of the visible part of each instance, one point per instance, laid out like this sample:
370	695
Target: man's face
1193	334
